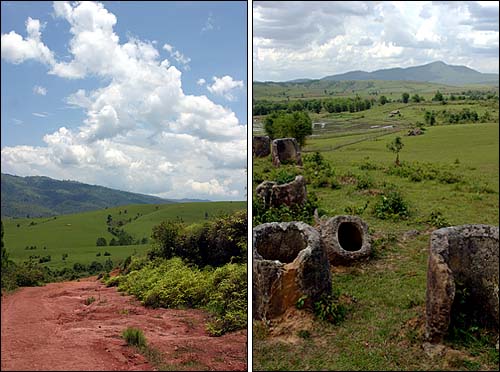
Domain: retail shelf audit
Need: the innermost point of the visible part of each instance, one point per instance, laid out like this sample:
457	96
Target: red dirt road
51	328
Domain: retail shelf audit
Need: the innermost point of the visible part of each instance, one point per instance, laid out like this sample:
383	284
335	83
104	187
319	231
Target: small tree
416	98
438	96
166	236
383	100
395	146
297	125
430	117
405	97
101	242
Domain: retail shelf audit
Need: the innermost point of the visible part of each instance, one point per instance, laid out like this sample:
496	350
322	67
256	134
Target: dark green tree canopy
296	124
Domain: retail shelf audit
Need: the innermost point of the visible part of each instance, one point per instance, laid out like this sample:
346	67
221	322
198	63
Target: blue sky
100	92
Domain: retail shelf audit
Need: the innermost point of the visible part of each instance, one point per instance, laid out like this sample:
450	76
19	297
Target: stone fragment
345	239
285	150
261	146
462	276
288	263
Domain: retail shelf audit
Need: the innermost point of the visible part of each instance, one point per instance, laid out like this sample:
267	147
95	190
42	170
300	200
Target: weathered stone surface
285	150
345	239
261	146
290	194
288	263
462	257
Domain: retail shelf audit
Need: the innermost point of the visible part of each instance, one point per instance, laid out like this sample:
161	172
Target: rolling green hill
76	234
44	196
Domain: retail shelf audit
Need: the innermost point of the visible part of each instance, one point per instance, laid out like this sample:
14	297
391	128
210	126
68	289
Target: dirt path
51	328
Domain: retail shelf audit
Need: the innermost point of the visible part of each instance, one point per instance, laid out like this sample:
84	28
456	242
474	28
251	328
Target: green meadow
385	296
325	88
76	234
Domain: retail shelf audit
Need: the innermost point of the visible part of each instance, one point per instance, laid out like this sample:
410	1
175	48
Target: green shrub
284	176
215	243
112	281
436	219
174	284
391	205
318	172
369	166
89	300
228	299
329	308
364	182
101	242
417	172
284	213
134	337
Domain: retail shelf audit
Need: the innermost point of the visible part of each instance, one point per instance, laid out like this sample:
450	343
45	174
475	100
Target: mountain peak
434	72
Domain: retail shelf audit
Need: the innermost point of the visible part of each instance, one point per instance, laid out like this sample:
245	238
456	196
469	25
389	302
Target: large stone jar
288	263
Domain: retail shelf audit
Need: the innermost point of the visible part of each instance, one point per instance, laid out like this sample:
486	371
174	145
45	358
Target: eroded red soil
51	328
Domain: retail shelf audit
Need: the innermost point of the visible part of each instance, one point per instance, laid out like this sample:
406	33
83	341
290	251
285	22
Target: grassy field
325	89
76	234
386	308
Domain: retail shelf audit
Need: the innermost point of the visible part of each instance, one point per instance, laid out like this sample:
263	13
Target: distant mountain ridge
434	72
39	196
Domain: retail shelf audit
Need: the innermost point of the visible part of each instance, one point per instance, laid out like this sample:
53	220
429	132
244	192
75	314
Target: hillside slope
43	196
76	234
435	72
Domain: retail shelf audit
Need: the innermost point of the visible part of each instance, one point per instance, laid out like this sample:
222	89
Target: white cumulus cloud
225	87
141	131
201	81
16	49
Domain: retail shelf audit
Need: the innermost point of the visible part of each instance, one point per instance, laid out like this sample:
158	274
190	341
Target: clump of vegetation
391	205
319	172
417	172
328	307
304	213
112	281
134	337
284	176
216	242
89	300
353	210
364	182
367	165
174	284
101	242
45	259
437	219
